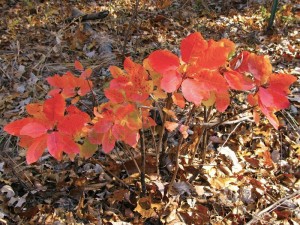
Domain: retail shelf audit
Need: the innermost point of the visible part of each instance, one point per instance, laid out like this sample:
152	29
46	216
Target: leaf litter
251	175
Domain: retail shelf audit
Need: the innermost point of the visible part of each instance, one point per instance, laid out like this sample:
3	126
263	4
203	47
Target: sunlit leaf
163	61
192	46
192	91
238	81
171	81
260	67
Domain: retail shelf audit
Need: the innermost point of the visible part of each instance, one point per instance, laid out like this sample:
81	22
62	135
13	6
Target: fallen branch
77	15
272	207
229	122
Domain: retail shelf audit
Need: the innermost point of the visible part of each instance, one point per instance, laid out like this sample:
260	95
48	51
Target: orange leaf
178	99
222	101
78	65
171	126
192	46
116	72
86	74
260	67
238	81
163	61
114	95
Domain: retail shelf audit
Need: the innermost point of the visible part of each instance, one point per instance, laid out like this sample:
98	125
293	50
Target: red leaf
192	46
103	126
114	95
213	57
70	147
281	82
192	91
54	81
273	99
15	127
54	108
240	62
71	124
36	149
108	142
132	138
171	81
73	110
163	61
238	81
33	130
252	99
216	54
122	133
270	114
55	145
78	65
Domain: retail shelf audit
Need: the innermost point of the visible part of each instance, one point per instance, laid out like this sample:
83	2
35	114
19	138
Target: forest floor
38	40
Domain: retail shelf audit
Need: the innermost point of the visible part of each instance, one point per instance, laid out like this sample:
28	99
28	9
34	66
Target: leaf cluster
205	74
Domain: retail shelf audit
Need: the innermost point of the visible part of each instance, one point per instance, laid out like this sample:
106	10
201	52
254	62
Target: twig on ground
229	122
79	16
110	173
272	207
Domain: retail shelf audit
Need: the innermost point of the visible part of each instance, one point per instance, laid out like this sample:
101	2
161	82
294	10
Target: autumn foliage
205	73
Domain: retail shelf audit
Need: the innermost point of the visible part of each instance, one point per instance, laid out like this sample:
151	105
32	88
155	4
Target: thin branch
127	32
178	150
272	207
230	134
228	122
132	156
162	131
143	157
110	173
244	110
